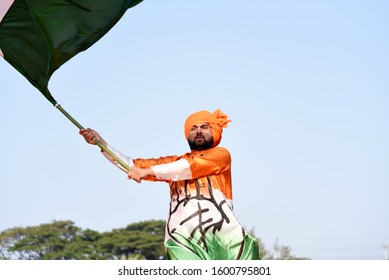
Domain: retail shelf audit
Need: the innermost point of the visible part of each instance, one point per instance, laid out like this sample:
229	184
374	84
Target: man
201	224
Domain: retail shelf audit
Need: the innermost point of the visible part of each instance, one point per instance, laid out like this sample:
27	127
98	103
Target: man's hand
89	136
137	174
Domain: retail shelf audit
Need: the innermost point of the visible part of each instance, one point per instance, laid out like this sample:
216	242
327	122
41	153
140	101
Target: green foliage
142	240
62	240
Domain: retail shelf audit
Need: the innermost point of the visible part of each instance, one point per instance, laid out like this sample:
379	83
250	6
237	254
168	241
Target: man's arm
194	165
135	173
91	135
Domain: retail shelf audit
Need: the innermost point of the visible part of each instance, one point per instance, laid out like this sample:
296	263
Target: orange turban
216	120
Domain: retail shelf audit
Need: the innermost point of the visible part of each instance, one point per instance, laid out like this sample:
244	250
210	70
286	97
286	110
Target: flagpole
98	143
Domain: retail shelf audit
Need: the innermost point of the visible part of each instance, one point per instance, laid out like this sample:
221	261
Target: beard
200	143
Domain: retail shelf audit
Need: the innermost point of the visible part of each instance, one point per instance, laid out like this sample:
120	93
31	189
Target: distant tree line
62	240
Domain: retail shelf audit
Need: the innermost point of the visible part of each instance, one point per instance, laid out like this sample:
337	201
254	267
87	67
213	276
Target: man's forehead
200	124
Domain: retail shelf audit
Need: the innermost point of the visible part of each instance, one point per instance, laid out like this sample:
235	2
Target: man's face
200	137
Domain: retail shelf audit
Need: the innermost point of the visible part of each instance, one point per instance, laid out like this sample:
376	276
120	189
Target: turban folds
216	120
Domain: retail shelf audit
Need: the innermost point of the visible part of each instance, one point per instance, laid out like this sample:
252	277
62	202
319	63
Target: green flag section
38	36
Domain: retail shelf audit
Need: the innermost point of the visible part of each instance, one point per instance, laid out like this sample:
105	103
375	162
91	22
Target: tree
62	240
143	240
55	241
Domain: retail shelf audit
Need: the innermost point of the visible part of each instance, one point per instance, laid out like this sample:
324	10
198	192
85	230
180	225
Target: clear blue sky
304	82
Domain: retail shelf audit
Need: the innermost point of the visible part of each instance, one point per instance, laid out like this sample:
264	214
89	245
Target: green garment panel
247	250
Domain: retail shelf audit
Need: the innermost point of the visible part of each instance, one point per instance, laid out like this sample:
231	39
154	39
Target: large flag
38	36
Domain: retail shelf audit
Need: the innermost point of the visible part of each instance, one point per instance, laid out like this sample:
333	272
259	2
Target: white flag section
4	7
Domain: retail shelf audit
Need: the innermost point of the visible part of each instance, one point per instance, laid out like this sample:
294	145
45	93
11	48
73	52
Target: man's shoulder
220	150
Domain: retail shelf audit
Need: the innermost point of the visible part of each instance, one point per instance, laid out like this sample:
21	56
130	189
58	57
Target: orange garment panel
215	163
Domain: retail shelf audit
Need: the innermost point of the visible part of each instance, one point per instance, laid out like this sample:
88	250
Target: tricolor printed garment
201	224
